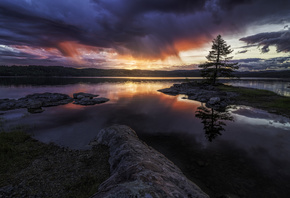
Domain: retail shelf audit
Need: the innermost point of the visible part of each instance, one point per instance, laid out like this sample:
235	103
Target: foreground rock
208	94
88	99
138	170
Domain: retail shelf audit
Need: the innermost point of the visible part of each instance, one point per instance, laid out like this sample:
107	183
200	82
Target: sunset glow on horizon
143	34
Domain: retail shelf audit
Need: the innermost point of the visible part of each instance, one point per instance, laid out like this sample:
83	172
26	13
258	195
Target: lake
246	153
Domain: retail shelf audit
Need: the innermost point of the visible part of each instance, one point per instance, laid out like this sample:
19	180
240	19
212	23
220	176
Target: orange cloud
85	55
169	50
192	43
68	48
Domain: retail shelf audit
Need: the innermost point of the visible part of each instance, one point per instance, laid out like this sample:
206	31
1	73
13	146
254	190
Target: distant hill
265	74
89	72
61	71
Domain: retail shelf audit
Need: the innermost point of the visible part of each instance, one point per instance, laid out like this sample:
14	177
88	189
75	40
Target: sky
143	34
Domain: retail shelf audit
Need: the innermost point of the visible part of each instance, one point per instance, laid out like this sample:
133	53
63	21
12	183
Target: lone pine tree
218	61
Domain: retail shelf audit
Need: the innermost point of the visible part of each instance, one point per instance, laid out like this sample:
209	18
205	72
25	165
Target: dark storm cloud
9	54
16	57
22	26
143	28
242	52
263	64
230	4
281	40
249	60
136	7
248	46
282	59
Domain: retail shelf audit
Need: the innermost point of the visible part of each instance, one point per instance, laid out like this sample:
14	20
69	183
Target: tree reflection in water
213	121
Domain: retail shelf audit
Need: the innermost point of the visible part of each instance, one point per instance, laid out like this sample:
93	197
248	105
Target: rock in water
35	110
138	170
89	101
81	95
34	104
169	91
35	101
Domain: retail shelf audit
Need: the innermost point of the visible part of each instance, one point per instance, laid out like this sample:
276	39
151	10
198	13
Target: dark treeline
89	72
60	71
44	81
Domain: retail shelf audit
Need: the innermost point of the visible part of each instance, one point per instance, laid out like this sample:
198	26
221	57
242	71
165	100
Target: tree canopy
218	64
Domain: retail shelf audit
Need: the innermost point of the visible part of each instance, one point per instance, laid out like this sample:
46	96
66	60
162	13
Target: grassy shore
31	168
262	99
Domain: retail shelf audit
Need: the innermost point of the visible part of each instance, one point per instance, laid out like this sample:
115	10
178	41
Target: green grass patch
247	91
84	187
51	169
281	103
263	99
17	151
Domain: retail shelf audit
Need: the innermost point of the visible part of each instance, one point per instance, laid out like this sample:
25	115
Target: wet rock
214	100
202	99
34	104
170	91
36	101
208	94
35	110
89	101
138	170
49	99
6	104
81	95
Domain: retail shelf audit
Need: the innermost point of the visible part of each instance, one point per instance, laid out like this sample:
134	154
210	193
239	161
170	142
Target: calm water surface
255	137
279	86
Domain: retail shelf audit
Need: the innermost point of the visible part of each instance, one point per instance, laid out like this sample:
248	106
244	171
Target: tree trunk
217	62
214	75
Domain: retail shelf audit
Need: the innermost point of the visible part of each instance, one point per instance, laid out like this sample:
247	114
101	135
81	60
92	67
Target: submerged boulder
138	170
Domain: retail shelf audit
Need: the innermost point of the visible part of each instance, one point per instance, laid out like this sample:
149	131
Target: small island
221	96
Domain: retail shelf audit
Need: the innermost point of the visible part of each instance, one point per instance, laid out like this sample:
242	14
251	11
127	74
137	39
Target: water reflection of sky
279	87
263	136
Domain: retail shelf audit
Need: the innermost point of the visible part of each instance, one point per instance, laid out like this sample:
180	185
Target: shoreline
119	163
30	168
61	171
221	96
